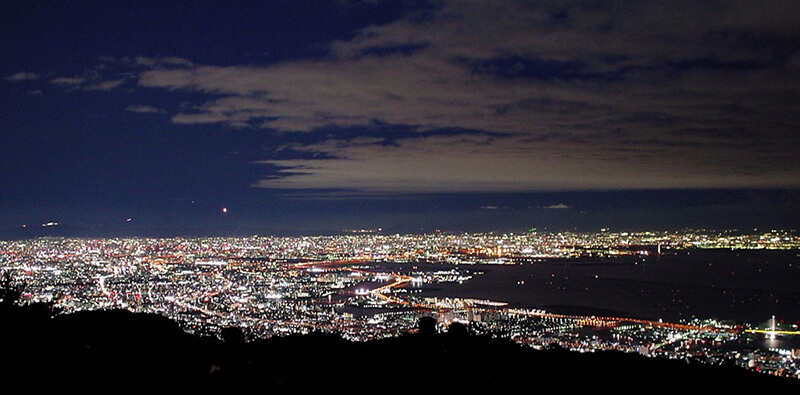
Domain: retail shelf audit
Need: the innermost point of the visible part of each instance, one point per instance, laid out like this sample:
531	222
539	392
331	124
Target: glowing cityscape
368	285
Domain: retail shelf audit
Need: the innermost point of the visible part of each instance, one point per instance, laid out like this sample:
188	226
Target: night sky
301	117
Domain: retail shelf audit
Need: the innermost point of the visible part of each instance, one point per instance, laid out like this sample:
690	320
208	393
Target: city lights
368	286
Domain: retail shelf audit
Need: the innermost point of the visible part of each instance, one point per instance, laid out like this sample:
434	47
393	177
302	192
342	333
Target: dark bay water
745	286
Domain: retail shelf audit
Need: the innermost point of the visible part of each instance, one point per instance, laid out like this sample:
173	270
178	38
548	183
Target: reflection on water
745	286
767	342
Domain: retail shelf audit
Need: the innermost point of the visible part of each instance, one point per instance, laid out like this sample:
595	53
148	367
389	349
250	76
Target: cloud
470	163
22	76
506	67
142	109
560	206
591	96
106	85
176	61
91	81
69	81
145	61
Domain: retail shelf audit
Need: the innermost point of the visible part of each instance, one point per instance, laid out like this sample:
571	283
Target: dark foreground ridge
103	350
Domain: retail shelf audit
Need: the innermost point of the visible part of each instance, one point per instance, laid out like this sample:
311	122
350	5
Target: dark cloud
106	85
22	76
559	206
68	81
141	109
